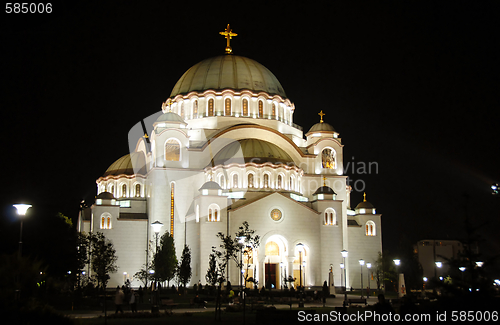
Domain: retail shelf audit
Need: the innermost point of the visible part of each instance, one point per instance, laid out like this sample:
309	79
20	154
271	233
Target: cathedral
223	150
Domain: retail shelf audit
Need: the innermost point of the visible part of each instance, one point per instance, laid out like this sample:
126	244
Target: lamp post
344	255
281	275
156	228
368	266
341	274
300	248
21	212
361	263
439	265
397	262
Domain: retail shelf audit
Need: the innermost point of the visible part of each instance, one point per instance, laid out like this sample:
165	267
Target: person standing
119	297
133	301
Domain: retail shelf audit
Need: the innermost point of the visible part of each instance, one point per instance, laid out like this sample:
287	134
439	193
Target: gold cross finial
321	114
324	181
228	34
167	104
364	197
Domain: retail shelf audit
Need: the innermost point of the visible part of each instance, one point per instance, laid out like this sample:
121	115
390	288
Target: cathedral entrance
270	276
275	262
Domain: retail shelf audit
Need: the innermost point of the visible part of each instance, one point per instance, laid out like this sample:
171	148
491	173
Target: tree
244	242
184	268
165	260
144	275
212	274
103	258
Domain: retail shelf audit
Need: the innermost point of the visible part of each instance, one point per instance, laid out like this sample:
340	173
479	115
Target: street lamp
21	211
361	263
300	248
156	228
397	262
495	188
368	266
341	274
344	255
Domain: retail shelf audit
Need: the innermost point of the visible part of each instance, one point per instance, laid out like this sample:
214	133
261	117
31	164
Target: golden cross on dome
324	181
168	104
321	114
228	34
364	196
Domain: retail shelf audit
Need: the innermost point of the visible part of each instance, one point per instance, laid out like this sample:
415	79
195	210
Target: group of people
121	298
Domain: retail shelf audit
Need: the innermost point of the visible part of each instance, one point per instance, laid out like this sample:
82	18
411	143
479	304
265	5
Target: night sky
410	85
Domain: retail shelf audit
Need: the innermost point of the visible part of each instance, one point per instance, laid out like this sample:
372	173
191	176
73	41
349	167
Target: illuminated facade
224	150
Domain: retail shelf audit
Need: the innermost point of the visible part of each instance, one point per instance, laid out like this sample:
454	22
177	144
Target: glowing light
22	208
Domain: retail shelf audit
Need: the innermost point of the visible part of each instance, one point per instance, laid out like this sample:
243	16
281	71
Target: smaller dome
210	185
105	196
324	190
321	127
365	204
170	117
133	163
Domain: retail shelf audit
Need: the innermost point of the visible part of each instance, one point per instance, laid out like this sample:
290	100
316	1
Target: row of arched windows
252	181
136	192
275	113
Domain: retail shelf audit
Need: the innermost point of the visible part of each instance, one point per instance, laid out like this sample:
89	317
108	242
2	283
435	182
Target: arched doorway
299	265
275	262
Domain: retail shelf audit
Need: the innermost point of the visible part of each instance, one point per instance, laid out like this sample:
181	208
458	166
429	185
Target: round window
276	214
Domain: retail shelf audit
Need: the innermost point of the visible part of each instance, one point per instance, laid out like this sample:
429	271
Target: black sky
410	85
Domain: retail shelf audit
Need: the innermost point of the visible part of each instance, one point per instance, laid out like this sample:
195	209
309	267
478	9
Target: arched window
124	190
195	109
211	107
112	191
272	249
330	217
245	107
227	106
235	180
291	184
273	112
137	190
182	110
370	228
261	108
172	150
280	181
222	181
213	213
266	180
250	180
105	221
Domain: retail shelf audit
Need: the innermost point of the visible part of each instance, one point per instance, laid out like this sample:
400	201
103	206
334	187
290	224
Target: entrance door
270	275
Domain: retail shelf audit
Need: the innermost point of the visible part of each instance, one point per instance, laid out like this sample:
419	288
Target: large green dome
228	72
251	150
